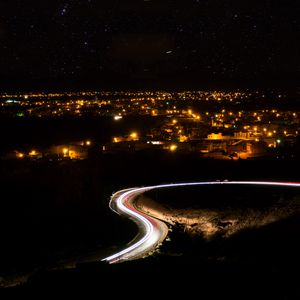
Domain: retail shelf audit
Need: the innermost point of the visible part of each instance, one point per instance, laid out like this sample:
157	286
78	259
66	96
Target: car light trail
153	231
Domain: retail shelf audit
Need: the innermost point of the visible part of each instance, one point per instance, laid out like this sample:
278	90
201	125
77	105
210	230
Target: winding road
152	231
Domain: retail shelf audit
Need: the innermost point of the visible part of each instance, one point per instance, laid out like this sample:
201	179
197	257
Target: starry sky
149	44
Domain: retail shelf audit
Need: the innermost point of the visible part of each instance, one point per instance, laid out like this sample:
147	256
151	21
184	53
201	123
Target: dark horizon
124	84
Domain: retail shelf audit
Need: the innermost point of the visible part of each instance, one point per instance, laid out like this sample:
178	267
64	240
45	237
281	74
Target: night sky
147	44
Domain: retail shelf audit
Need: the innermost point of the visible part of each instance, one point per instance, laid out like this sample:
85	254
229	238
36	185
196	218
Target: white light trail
153	235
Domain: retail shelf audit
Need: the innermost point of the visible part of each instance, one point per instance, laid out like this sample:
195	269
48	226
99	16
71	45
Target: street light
173	147
134	135
65	151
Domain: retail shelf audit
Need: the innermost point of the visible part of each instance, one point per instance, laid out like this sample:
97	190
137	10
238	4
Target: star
64	10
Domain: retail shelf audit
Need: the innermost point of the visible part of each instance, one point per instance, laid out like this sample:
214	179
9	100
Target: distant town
213	124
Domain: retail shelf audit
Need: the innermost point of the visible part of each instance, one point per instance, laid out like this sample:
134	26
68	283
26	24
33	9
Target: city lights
220	128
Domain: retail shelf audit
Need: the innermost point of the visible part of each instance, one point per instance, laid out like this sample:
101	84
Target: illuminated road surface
151	230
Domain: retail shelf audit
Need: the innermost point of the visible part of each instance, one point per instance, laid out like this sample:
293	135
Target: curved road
151	230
